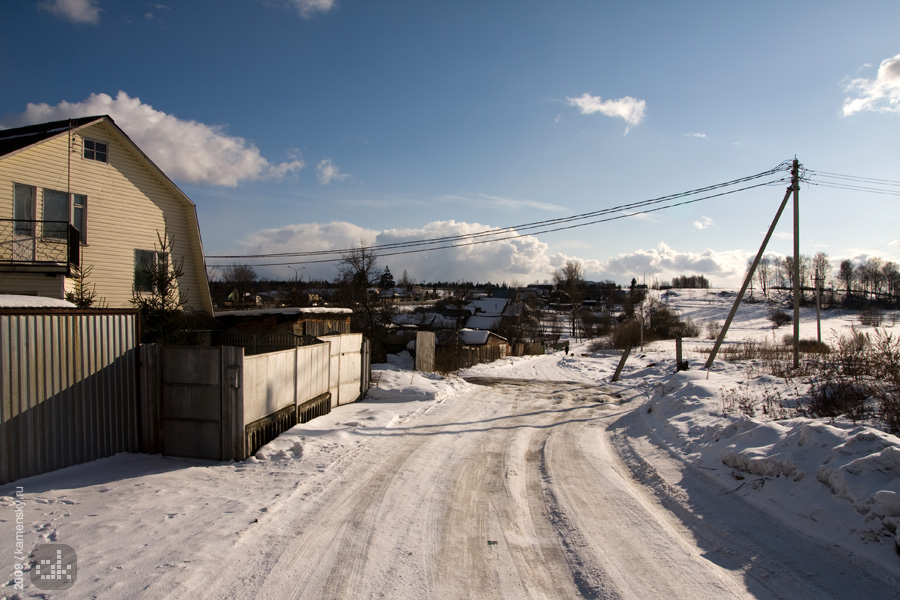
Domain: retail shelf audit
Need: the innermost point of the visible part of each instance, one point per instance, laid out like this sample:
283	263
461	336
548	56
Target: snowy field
532	477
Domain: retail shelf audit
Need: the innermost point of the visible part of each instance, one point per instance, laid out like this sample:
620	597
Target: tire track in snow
588	577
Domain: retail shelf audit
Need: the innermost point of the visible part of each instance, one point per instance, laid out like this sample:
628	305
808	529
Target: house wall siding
21	283
128	203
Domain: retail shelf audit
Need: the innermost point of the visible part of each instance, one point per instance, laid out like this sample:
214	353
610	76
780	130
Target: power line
855	188
853	183
533	228
473	239
871	180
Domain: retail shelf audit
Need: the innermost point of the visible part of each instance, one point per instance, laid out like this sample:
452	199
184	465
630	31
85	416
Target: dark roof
22	137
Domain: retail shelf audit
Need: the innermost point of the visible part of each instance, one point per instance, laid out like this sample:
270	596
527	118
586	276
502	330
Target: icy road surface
532	480
525	489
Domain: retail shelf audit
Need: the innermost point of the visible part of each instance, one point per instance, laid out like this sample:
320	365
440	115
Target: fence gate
425	343
198	401
346	368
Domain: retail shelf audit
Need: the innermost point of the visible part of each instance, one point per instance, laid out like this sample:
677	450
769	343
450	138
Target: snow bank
837	481
398	393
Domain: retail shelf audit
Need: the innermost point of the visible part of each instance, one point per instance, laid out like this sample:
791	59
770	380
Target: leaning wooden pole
749	278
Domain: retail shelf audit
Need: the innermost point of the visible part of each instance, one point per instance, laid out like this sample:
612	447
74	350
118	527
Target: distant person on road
567	348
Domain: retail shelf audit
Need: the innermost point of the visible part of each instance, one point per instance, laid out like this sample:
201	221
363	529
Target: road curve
534	489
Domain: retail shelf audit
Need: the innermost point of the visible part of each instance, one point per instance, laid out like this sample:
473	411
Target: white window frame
141	261
94	151
21	229
52	233
79	224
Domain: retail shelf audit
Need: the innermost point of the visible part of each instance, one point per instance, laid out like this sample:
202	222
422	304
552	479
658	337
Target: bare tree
358	282
778	277
763	273
821	269
891	274
788	262
874	275
846	275
570	280
241	279
822	264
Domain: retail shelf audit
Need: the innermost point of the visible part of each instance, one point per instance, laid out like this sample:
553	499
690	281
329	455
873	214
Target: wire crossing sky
303	128
496	235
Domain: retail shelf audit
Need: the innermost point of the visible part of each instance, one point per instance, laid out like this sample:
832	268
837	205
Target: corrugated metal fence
68	390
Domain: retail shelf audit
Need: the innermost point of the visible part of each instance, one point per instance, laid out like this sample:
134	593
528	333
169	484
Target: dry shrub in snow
860	379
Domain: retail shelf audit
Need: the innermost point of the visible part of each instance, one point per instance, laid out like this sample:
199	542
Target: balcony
28	246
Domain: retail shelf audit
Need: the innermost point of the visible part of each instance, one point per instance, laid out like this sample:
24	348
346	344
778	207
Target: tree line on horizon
854	283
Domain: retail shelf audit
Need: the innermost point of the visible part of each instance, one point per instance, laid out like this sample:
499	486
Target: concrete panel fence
217	403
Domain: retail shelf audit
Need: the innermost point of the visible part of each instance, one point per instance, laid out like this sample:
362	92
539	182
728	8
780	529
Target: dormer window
94	150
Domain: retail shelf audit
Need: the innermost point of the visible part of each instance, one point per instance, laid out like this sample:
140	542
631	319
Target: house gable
129	202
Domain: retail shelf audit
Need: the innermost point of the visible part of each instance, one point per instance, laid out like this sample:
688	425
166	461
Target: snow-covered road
508	491
535	479
525	488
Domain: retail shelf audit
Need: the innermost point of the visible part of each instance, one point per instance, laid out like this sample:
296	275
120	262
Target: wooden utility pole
795	185
818	282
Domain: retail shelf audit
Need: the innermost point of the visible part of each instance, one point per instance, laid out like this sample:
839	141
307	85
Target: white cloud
881	94
307	8
723	269
519	258
327	172
524	259
77	11
628	108
703	223
701	136
185	150
308	237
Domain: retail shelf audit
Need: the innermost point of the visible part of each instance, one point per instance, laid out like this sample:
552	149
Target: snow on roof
16	301
473	337
288	310
488	306
476	337
481	322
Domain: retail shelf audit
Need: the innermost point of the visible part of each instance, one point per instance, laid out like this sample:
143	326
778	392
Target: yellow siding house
81	193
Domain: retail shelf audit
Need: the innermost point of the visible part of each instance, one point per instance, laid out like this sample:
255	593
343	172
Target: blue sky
304	125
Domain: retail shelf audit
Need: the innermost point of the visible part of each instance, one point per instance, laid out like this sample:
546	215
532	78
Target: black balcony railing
35	244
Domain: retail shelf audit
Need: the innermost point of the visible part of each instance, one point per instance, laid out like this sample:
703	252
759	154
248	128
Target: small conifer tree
162	306
85	294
